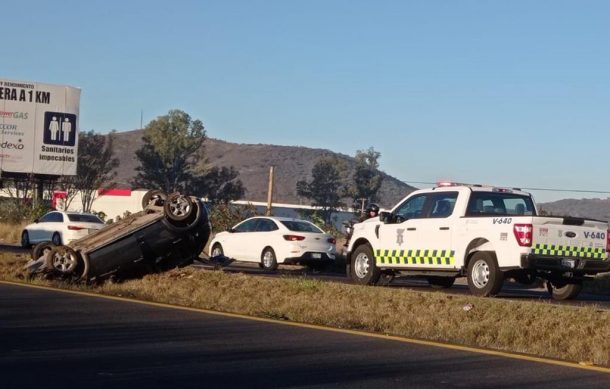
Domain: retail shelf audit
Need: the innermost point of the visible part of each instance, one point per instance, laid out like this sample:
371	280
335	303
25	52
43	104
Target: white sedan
273	240
60	228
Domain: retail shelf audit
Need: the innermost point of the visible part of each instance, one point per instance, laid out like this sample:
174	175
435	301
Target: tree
172	152
219	185
173	159
367	177
326	188
95	168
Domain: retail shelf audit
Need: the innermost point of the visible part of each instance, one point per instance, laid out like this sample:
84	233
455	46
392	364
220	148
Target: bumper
565	264
311	257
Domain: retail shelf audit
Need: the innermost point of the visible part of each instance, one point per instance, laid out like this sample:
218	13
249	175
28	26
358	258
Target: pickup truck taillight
523	234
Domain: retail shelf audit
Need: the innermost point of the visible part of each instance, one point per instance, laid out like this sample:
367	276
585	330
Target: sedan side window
266	225
54	217
247	226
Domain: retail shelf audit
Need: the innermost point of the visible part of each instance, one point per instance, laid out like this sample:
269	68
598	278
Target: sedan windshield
301	226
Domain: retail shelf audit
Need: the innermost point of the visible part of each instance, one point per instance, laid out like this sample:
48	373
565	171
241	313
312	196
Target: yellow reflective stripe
569	251
428	257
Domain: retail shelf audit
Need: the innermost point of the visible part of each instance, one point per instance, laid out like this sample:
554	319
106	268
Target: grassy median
543	329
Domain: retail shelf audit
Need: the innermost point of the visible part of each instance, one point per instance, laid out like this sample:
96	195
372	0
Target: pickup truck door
420	233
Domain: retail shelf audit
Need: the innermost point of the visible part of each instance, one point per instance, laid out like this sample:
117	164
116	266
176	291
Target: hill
590	208
292	163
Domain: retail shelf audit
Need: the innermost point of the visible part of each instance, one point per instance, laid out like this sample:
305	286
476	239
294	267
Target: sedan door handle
411	229
444	228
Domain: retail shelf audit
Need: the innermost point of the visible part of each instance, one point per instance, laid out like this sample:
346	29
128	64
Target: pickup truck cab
486	234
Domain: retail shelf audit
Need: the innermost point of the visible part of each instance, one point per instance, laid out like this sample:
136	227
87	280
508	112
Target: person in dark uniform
372	210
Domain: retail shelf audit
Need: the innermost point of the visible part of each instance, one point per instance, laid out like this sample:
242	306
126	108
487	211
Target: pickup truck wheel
439	282
484	276
178	207
268	259
363	269
564	291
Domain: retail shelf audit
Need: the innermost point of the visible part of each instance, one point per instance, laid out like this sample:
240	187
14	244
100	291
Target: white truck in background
486	234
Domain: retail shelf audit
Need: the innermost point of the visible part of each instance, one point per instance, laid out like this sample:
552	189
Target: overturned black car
170	231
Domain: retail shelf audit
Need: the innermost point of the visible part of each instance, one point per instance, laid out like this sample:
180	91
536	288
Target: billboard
38	127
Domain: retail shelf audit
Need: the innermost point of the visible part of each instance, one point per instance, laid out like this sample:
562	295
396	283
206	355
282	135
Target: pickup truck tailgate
569	237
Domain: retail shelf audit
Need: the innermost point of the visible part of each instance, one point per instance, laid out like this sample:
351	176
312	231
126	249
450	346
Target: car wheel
41	249
62	259
363	269
56	239
439	282
484	276
217	251
153	197
25	239
564	291
178	207
268	259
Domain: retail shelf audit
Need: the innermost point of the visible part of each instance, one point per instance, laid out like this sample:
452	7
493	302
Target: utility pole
362	200
270	192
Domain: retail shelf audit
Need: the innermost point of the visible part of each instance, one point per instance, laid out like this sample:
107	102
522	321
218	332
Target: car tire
562	292
440	282
56	239
25	239
41	249
217	251
268	259
62	259
363	269
485	278
154	197
178	207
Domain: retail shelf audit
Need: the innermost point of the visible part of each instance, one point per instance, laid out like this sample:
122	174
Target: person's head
372	210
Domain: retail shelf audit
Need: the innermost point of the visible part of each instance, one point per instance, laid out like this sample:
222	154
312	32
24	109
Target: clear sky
513	93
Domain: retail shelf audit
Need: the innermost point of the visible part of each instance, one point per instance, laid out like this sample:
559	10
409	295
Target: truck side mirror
385	217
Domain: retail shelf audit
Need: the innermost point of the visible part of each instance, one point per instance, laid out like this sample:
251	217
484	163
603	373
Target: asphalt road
52	339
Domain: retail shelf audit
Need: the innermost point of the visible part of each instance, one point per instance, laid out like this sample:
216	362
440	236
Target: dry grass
11	232
562	332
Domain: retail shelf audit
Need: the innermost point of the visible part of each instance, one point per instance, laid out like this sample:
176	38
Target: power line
528	188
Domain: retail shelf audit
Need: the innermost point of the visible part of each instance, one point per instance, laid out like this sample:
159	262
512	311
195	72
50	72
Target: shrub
224	216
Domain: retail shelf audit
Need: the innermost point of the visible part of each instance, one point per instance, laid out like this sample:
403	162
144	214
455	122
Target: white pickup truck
484	233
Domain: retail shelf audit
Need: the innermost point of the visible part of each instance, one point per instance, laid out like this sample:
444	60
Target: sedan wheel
217	251
56	239
269	261
25	239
